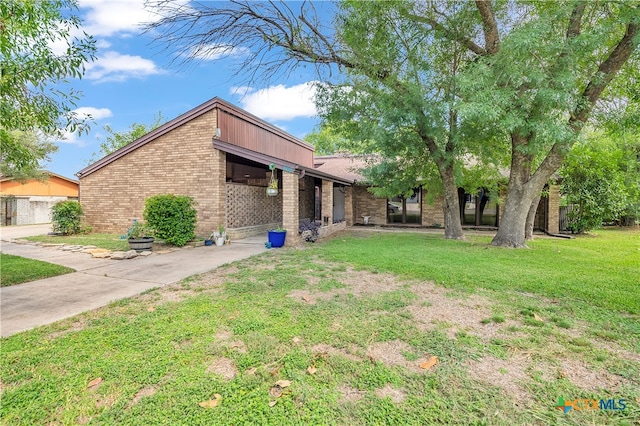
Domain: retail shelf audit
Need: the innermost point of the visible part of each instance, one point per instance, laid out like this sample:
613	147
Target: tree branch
489	26
606	71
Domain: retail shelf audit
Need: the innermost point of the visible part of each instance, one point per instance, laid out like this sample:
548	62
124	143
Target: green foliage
17	270
116	140
31	145
172	218
34	96
138	230
596	183
66	217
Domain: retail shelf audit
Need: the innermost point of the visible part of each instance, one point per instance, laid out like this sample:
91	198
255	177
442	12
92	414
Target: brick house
476	210
221	156
30	202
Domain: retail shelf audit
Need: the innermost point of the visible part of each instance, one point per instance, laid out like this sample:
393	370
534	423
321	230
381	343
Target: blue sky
132	81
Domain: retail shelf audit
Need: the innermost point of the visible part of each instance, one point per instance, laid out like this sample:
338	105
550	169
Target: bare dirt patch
223	367
224	337
506	374
357	283
142	393
396	395
588	378
391	353
436	306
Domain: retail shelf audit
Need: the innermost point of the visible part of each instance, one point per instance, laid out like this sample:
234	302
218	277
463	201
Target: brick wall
364	203
290	207
248	206
553	220
348	206
181	162
433	214
307	198
327	201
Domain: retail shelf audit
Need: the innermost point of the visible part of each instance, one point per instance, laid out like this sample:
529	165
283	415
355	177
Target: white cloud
106	18
83	113
114	66
212	52
94	113
280	102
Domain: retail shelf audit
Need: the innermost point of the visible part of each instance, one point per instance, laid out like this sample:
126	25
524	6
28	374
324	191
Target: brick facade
433	214
248	206
180	162
327	202
553	218
290	207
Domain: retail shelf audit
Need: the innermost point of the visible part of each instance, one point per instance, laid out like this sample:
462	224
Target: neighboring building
30	202
221	156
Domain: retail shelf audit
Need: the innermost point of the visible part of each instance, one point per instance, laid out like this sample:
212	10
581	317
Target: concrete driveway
99	282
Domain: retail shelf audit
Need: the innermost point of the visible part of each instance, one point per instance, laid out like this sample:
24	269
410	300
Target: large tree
40	51
525	74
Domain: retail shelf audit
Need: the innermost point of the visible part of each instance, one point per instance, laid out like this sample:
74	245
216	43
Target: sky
133	80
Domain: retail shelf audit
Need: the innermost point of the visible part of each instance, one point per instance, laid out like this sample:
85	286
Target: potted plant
277	236
139	236
272	188
219	236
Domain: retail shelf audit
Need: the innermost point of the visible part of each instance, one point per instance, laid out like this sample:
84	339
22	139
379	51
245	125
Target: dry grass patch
396	395
392	354
223	367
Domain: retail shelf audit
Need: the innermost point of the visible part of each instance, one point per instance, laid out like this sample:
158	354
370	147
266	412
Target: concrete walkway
99	282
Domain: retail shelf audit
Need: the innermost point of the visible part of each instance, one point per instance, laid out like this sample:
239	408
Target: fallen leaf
212	403
283	383
311	370
429	363
272	403
537	317
94	383
275	391
305	298
151	309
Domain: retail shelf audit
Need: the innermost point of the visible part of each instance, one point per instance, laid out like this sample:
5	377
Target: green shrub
172	218
66	217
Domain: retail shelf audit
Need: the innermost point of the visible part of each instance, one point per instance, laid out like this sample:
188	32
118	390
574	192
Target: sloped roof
185	118
9	178
345	166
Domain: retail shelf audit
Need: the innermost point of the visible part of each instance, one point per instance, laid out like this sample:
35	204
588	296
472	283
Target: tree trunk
531	216
523	189
451	205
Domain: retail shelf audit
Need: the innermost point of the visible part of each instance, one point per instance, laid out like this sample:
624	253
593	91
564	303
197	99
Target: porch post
553	219
348	205
217	215
327	202
290	207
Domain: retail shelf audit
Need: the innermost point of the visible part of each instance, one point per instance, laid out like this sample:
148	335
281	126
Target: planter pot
220	241
272	192
276	238
208	242
141	244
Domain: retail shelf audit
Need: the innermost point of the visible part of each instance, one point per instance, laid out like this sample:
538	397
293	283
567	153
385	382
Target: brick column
218	192
348	205
553	219
291	207
327	202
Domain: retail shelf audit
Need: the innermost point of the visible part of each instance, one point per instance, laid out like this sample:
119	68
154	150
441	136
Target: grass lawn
16	270
345	332
105	241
